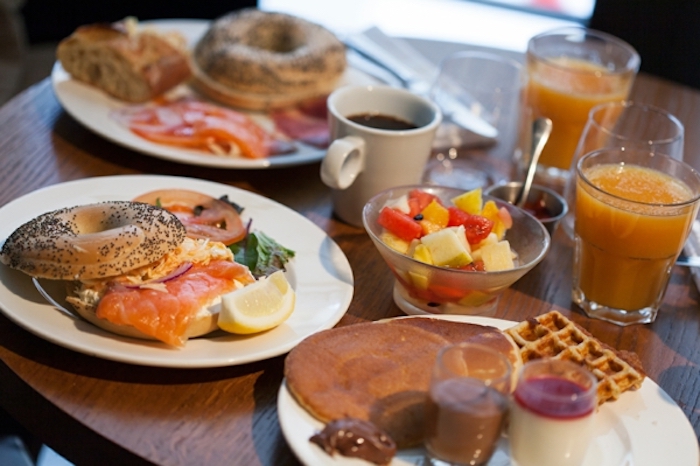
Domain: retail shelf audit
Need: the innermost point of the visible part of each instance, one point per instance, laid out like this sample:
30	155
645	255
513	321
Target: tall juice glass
634	211
571	70
627	124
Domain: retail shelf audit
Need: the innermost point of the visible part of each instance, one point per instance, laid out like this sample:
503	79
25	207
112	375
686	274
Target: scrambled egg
196	251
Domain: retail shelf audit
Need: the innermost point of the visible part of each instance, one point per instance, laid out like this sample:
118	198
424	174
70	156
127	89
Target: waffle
552	335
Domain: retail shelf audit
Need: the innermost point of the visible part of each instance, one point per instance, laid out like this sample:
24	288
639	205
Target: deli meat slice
307	123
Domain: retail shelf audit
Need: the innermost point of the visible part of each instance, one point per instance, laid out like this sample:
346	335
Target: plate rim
338	281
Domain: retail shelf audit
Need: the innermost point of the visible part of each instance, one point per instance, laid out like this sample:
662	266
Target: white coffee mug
362	160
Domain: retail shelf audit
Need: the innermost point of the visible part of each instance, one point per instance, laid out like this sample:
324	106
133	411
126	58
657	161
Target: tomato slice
203	216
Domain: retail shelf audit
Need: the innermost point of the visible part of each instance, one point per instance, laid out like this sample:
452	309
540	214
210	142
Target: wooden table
94	411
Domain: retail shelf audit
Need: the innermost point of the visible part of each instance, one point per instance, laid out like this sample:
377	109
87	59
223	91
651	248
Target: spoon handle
541	129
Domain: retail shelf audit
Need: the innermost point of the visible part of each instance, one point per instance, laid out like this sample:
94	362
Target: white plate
319	273
642	428
92	107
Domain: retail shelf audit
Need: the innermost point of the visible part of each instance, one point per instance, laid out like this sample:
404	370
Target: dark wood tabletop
94	411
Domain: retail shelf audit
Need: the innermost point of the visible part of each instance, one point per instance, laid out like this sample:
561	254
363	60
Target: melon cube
447	248
497	256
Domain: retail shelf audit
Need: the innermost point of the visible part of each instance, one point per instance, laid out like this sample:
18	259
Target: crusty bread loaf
131	66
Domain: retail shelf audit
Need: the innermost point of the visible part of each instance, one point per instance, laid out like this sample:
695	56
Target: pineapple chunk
419	280
475	298
491	212
470	202
394	242
422	253
428	227
436	213
447	249
497	256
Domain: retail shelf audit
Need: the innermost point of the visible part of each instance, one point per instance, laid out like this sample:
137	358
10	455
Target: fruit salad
466	233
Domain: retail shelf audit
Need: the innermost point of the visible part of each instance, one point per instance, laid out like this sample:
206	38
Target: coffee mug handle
343	162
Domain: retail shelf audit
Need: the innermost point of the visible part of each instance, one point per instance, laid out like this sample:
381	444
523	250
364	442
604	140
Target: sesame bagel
261	60
92	241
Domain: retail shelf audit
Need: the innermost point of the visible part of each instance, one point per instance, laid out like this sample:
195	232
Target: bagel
131	268
92	241
260	60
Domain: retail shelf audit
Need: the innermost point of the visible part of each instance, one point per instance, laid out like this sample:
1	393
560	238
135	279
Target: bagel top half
92	241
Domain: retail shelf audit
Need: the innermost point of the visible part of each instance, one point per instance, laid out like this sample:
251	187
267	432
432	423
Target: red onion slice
181	270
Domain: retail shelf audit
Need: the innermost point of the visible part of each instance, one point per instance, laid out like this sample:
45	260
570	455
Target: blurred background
30	29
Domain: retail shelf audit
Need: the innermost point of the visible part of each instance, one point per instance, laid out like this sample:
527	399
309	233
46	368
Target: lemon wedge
259	306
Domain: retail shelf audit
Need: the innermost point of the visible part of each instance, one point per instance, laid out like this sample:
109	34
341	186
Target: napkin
416	72
692	249
411	63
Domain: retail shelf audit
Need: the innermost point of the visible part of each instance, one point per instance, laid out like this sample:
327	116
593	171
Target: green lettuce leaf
262	254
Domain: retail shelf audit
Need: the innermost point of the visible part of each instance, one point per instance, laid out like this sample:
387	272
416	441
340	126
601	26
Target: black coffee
375	120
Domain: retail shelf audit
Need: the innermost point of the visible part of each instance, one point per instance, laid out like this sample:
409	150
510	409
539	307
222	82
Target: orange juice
565	90
625	250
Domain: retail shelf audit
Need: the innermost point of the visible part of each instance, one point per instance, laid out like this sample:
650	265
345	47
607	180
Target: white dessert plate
93	108
319	273
641	428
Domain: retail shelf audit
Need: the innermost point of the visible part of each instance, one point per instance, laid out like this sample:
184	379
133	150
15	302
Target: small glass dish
548	206
422	288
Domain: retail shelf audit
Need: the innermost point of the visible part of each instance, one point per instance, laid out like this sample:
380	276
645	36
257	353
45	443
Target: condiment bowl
422	288
548	206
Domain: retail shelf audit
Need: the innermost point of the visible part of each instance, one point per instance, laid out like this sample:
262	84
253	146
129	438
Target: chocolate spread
356	438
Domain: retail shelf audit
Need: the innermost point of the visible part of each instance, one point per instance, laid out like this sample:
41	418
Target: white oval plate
319	273
642	428
92	108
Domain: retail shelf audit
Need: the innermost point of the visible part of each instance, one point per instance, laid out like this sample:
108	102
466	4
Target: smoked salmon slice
165	314
192	123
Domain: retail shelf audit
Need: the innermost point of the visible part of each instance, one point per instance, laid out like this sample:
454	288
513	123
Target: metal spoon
541	129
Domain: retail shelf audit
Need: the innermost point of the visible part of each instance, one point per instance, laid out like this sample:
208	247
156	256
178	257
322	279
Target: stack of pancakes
380	372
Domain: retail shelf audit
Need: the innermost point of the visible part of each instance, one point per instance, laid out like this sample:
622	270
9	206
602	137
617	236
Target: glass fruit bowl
422	288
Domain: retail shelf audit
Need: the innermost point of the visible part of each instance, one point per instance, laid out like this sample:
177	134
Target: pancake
379	372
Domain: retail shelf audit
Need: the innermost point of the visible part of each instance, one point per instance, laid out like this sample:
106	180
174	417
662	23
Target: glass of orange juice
570	70
624	124
634	211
